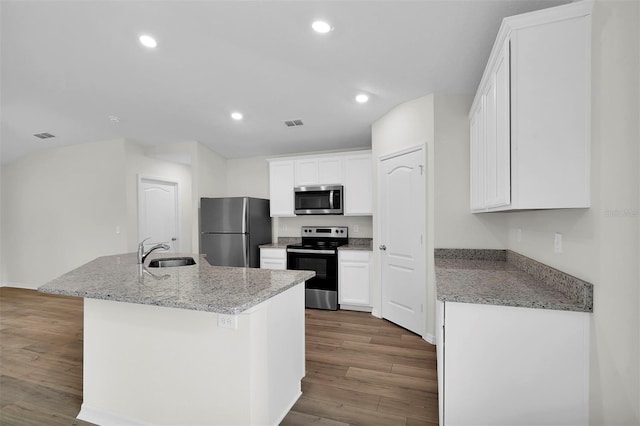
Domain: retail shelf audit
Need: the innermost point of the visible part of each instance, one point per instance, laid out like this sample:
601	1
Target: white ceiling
68	65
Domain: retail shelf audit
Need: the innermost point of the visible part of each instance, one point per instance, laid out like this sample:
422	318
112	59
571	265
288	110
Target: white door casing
158	212
402	202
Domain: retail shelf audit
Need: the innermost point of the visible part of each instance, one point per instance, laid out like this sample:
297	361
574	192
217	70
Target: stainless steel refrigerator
231	229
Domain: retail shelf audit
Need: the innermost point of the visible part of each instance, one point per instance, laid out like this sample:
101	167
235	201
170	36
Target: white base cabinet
354	279
501	365
273	258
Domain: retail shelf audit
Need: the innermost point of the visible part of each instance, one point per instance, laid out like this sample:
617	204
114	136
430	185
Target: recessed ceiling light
148	41
236	116
362	98
321	27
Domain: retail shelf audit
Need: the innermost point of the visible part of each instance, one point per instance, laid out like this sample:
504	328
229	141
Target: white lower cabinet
502	365
354	279
273	258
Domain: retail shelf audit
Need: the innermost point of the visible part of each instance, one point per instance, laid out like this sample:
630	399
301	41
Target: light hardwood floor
360	370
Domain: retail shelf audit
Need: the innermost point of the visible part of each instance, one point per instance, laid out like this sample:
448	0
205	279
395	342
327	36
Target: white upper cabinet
281	184
352	169
358	198
318	171
530	119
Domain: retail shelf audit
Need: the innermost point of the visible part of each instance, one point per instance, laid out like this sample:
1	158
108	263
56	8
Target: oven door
321	291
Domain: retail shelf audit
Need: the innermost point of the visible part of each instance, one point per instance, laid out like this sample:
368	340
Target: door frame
175	184
424	227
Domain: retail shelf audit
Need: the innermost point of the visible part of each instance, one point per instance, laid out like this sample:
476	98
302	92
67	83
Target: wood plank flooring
40	358
360	370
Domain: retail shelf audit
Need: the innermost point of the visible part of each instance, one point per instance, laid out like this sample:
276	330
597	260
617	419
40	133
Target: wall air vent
293	123
44	135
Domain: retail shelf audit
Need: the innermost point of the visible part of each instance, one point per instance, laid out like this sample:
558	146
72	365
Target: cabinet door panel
477	157
306	172
358	193
329	171
497	132
281	188
354	278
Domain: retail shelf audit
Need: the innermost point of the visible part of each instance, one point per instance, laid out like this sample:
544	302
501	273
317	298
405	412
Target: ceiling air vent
293	123
44	135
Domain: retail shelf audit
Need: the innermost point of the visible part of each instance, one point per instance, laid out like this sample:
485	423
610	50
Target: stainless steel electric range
319	252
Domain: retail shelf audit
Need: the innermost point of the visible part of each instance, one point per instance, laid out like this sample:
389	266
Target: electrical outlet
227	321
557	243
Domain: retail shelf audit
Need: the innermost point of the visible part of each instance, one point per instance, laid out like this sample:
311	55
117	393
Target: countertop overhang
200	287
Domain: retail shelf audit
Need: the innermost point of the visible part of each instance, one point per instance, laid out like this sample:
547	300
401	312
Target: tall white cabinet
530	119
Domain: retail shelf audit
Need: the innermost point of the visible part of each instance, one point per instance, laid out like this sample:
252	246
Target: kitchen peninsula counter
199	287
196	344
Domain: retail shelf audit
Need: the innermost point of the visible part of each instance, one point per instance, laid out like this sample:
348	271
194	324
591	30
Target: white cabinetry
318	171
358	198
273	258
530	119
352	169
354	279
501	365
281	185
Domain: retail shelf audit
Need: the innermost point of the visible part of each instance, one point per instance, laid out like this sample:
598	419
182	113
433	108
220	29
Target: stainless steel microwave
321	199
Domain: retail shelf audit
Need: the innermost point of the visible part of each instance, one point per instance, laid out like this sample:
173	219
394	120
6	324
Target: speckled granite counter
365	244
503	277
200	287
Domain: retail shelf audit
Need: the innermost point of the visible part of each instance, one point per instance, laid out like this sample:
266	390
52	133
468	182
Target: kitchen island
195	344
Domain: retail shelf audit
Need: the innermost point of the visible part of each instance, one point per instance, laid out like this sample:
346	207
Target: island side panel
286	351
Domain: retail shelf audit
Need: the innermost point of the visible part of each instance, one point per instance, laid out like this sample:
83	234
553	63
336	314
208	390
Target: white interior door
158	212
401	201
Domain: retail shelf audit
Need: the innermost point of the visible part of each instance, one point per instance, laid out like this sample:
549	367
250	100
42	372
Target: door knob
382	247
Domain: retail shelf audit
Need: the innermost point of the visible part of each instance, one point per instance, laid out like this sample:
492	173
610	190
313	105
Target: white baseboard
104	418
376	313
430	338
284	414
20	285
355	308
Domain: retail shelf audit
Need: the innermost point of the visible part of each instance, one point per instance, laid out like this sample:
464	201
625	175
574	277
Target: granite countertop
273	245
200	287
508	279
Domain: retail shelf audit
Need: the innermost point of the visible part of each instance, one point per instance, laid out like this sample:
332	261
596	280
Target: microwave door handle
331	199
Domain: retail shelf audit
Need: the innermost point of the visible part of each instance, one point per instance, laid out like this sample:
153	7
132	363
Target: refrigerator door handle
245	215
245	250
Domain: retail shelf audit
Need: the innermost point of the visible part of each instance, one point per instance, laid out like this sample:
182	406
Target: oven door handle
311	251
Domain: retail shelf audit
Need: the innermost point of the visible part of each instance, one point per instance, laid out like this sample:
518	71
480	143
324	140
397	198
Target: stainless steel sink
167	262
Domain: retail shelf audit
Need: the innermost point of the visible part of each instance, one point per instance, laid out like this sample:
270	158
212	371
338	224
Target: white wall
248	177
601	244
407	125
140	165
455	225
209	179
62	207
60	210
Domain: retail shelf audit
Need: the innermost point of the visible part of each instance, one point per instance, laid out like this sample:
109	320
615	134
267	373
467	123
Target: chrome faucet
142	255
